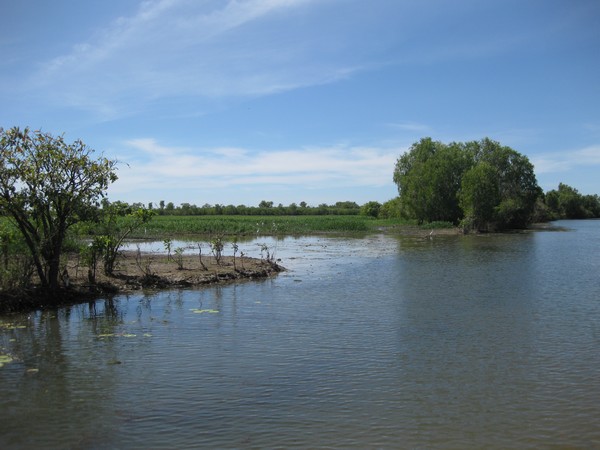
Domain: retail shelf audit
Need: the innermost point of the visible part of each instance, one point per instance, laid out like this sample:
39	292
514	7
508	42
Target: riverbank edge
80	291
165	274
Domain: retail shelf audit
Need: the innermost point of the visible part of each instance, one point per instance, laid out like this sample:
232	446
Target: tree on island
47	186
480	184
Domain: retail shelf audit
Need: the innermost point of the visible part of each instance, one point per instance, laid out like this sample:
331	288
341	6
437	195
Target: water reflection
464	334
378	342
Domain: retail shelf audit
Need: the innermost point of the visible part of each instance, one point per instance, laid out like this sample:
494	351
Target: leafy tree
568	203
516	182
479	196
428	179
117	222
392	209
47	186
494	186
370	209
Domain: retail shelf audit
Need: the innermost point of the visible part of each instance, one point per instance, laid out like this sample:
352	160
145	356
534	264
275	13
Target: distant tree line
264	208
567	203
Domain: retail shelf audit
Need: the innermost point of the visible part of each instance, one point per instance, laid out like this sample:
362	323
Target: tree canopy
481	184
567	203
46	186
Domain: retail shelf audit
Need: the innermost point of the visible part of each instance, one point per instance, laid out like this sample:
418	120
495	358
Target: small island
135	271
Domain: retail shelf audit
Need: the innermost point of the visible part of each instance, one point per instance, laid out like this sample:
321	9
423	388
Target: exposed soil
134	271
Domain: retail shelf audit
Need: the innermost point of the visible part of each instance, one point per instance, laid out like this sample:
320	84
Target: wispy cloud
410	126
312	167
564	161
183	49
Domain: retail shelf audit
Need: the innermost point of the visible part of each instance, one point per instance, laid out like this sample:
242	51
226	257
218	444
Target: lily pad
127	335
4	359
204	311
33	370
12	326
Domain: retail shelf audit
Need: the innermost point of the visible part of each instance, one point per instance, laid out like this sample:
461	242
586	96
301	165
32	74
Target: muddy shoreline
134	272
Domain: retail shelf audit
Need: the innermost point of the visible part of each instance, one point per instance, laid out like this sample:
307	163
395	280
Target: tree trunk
54	263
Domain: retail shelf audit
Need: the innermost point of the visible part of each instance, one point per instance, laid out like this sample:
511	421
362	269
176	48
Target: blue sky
238	101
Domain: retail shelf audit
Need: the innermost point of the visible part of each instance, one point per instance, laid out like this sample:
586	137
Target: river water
383	341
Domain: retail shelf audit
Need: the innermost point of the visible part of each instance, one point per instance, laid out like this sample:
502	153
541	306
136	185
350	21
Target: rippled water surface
379	342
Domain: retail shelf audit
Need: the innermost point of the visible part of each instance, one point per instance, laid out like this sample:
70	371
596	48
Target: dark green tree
429	178
499	191
370	209
568	203
47	186
479	196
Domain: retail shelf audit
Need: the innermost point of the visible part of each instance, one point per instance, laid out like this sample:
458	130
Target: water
379	342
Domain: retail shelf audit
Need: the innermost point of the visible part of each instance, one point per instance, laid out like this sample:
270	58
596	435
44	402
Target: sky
238	101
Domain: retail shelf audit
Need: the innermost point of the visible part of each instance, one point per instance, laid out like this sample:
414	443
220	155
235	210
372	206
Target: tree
265	204
370	209
489	185
428	179
568	203
392	209
117	221
479	196
517	184
47	186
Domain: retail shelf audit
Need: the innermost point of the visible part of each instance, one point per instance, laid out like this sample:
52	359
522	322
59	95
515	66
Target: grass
161	226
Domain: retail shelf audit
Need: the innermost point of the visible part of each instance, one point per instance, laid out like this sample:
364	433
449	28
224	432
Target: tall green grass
161	226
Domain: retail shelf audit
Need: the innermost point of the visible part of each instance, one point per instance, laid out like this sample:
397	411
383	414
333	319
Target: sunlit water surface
488	341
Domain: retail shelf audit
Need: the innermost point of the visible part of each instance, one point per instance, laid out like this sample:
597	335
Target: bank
136	271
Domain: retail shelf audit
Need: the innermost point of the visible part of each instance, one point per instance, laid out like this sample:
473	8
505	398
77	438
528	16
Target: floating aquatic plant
5	359
128	335
204	311
11	326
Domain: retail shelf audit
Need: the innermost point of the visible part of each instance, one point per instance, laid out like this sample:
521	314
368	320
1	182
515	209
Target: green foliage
167	244
370	209
479	196
428	179
392	209
568	203
116	222
481	184
179	257
161	226
16	266
217	246
265	208
46	187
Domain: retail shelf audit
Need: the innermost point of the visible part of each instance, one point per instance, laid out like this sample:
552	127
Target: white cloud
185	49
411	126
315	167
562	162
